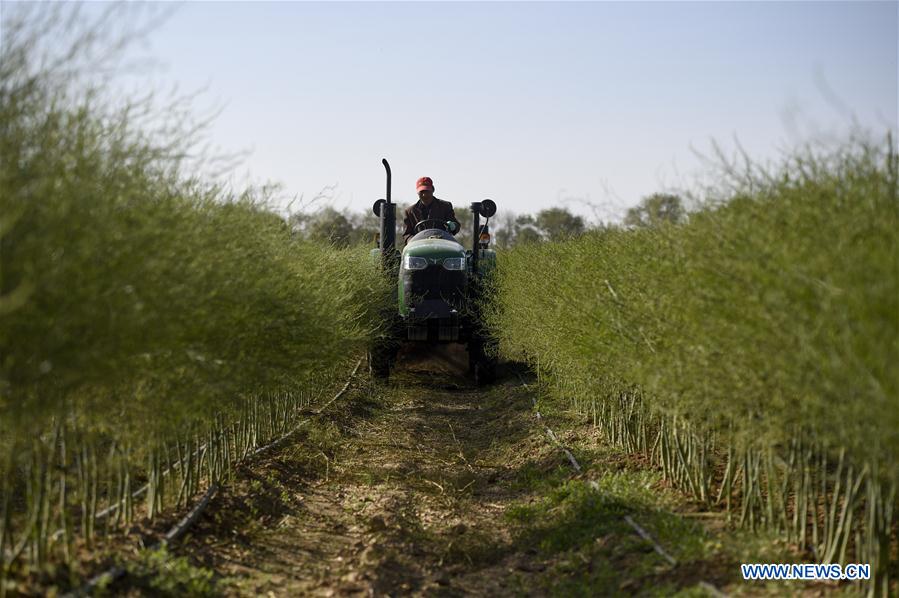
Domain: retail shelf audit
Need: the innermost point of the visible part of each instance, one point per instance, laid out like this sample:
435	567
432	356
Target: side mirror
452	227
488	208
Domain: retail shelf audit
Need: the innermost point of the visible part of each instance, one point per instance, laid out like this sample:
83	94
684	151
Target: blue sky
526	103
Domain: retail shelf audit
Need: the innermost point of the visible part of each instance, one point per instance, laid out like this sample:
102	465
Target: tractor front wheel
482	361
379	361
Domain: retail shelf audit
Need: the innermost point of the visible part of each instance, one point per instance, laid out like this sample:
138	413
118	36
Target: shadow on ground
429	485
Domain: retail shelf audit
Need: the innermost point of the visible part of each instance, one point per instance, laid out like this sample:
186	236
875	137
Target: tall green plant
761	335
154	327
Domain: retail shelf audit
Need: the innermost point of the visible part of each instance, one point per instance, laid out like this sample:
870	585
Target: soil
430	486
406	488
405	492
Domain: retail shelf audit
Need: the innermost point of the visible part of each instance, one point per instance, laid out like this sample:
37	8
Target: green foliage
161	574
333	227
525	231
140	305
765	323
583	530
329	226
773	310
552	224
574	514
570	516
345	228
656	209
558	224
132	290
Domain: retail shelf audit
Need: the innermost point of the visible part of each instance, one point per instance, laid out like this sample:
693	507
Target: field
155	327
749	352
674	398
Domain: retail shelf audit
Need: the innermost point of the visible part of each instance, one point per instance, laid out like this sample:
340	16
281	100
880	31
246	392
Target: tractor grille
435	283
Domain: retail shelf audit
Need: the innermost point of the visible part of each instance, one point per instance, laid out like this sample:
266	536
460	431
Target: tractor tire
485	372
383	348
482	361
379	362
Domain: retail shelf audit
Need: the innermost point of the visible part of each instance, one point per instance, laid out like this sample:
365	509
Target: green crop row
154	328
751	351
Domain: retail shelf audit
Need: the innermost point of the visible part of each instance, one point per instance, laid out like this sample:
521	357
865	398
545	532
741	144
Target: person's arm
409	222
451	216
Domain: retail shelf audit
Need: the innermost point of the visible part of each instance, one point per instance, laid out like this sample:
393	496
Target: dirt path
430	486
406	493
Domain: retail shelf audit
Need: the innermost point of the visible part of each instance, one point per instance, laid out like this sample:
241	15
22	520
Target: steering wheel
440	224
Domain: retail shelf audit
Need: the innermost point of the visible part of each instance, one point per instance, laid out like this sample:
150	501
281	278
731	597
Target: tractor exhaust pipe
388	218
476	233
387	168
385	210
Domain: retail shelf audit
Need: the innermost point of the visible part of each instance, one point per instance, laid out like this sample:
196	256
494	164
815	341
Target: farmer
427	207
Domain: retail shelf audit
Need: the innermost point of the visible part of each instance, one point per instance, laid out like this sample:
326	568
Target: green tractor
438	288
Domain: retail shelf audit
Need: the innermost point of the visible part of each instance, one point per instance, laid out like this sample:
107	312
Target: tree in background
326	225
463	215
655	209
557	224
553	224
339	228
525	230
503	229
366	228
344	228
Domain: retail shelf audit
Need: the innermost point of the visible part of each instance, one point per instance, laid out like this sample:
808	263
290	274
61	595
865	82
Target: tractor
438	289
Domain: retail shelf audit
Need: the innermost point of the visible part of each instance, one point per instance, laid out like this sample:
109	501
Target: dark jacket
438	210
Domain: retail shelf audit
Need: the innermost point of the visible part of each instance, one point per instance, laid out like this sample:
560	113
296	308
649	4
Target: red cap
424	184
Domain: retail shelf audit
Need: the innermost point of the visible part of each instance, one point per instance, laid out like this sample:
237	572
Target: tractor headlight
415	263
454	263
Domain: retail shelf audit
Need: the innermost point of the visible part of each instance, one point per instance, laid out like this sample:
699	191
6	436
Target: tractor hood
434	248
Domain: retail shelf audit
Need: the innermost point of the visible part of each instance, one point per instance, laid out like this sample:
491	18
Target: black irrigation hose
594	486
116	572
